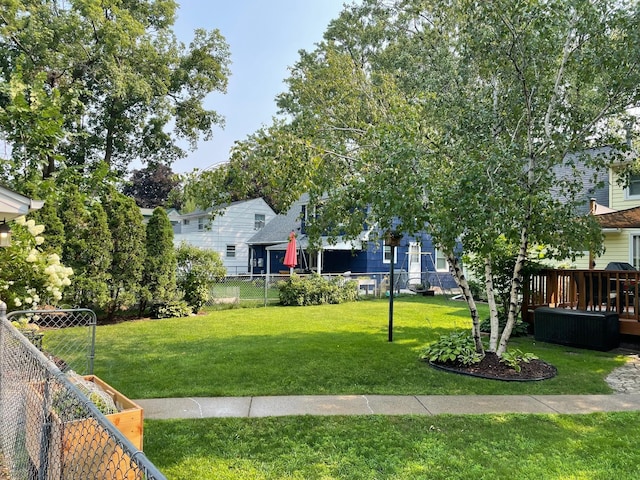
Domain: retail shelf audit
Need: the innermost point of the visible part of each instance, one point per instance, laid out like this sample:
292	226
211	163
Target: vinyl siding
234	227
616	248
618	197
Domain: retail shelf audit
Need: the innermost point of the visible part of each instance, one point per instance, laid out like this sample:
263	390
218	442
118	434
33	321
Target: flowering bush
28	276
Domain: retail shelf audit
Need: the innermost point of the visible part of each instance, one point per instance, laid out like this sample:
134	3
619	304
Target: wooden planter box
75	446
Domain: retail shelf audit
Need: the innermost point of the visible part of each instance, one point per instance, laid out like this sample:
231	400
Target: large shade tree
83	82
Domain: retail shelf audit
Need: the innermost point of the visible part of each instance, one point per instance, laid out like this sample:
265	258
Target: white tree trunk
493	309
516	287
461	280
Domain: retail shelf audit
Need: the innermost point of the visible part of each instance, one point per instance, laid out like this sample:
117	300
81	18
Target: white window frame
202	222
635	179
185	221
231	251
259	223
386	253
634	235
437	256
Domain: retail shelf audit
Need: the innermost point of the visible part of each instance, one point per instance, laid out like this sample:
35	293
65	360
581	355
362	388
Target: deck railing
593	290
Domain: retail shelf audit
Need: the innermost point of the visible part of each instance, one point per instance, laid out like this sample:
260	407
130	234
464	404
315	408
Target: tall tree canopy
88	81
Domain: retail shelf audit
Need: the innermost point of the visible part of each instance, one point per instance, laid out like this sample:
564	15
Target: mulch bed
490	367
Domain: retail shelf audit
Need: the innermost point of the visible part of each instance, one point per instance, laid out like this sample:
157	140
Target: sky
264	37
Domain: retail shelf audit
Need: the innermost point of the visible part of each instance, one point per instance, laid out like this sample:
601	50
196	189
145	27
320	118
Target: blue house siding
340	258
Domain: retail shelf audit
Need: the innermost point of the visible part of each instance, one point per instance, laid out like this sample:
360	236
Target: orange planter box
74	445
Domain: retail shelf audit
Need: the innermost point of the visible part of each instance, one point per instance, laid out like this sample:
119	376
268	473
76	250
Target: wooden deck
593	290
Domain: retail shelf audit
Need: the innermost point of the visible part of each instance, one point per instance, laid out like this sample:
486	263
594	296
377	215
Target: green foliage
88	82
503	260
457	347
30	276
128	254
515	357
456	119
171	309
315	290
477	289
48	216
87	248
159	276
198	270
519	328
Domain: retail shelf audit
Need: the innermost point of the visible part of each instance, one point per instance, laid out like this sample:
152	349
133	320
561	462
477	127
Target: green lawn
344	349
567	447
333	349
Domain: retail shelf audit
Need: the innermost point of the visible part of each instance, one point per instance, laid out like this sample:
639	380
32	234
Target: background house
620	221
227	233
415	259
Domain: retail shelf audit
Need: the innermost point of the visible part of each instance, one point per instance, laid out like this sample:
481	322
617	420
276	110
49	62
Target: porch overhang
14	205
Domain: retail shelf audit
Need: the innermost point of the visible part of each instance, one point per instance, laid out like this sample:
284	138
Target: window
259	221
202	222
231	251
441	262
185	221
635	251
386	254
633	189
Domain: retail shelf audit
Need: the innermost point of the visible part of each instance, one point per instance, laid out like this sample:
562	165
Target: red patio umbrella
291	256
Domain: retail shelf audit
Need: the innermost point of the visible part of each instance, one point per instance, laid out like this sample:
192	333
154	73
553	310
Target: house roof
14	205
629	218
278	229
275	234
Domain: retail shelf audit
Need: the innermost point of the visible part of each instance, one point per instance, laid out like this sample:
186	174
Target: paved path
383	405
625	381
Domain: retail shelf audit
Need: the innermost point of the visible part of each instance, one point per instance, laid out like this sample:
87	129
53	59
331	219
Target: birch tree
462	119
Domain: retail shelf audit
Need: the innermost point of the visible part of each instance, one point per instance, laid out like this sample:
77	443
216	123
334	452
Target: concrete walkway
625	381
171	408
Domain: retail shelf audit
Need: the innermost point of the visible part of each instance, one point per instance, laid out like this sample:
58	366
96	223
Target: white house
227	233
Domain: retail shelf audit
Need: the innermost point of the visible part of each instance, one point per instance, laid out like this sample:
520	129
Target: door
415	265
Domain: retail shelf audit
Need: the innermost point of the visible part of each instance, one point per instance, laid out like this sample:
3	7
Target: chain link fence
49	429
65	336
255	290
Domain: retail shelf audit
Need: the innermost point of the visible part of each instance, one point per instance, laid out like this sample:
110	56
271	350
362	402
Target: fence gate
67	337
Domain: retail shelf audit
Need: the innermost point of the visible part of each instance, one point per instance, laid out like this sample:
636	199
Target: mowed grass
576	447
344	349
332	349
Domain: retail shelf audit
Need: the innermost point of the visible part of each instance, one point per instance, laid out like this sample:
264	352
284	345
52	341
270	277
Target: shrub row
315	290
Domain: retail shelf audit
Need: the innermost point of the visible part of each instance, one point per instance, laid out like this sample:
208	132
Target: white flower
35	230
39	240
21	220
17	302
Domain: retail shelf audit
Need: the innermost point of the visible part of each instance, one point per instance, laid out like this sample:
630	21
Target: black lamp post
392	239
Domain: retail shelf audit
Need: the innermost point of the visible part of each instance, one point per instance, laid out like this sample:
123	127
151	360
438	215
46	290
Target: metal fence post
3	317
266	291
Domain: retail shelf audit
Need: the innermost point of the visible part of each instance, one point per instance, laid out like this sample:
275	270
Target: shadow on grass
442	447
